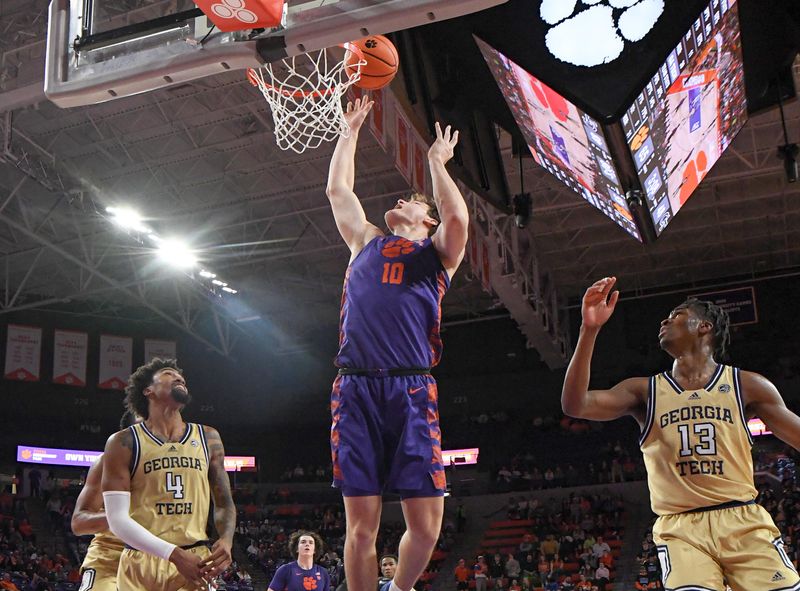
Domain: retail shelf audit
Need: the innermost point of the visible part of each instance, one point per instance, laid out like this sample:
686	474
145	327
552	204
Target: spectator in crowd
600	547
481	574
497	568
461	517
549	547
601	576
462	575
512	567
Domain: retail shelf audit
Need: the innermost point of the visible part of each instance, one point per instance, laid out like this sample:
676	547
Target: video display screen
50	456
562	139
689	113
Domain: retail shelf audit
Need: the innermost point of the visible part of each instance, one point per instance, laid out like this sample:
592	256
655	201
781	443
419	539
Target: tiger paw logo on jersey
394	249
309	583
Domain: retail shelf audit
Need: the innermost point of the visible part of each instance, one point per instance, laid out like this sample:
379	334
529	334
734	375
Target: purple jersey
291	577
391	306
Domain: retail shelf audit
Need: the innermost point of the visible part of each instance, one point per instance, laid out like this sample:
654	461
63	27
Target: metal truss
56	250
513	273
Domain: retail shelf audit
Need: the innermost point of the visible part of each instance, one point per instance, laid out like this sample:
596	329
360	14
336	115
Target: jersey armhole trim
737	388
651	410
203	441
136	449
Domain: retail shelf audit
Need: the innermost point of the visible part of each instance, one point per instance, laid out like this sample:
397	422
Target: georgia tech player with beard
158	477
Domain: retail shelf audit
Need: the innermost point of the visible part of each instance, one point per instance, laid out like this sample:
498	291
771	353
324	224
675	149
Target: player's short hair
135	400
432	210
294	542
392	556
710	312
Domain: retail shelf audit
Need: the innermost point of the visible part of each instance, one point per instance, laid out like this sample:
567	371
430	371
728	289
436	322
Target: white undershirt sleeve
118	505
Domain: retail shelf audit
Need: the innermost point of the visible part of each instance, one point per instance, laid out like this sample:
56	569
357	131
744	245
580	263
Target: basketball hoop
305	94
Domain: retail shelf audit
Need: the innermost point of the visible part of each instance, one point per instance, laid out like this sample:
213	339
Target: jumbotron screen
689	113
562	139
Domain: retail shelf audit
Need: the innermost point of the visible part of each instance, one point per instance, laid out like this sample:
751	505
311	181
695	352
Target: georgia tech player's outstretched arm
88	517
762	400
117	500
629	397
224	507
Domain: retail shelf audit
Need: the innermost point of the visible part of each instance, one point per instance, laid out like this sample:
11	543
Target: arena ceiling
199	160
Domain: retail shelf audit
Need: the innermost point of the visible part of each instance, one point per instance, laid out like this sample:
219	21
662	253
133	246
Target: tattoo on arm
224	508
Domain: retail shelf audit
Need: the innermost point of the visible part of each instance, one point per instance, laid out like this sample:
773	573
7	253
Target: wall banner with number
69	357
115	362
23	353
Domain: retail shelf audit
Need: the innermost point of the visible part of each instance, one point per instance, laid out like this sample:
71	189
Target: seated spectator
601	576
512	568
600	547
583	584
549	547
514	586
497	568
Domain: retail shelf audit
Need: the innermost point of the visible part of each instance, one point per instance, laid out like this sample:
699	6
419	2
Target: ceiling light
229	290
218	282
127	219
207	274
176	253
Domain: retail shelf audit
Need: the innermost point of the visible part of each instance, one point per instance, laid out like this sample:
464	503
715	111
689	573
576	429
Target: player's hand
190	566
219	560
598	305
441	149
356	112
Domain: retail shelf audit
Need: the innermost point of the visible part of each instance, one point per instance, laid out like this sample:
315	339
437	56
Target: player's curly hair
135	400
128	418
718	318
294	542
432	210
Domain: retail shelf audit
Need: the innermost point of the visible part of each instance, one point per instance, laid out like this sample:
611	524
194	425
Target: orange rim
252	76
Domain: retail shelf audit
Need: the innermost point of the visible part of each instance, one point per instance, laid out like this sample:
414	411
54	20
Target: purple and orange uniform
385	434
293	577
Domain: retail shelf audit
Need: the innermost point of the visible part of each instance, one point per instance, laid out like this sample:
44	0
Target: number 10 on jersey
393	273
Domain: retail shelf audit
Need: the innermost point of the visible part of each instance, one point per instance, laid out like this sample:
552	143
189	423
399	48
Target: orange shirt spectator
462	575
7	584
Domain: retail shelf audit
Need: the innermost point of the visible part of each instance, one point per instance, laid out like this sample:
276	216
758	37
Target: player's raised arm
224	507
88	518
347	210
762	399
627	397
450	238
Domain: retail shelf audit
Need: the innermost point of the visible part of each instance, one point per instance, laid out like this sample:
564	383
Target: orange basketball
382	62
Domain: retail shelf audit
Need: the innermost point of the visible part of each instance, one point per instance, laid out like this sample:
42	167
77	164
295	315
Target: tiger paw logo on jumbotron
593	32
394	249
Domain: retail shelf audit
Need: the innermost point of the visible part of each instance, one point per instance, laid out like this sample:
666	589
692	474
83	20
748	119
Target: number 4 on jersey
175	485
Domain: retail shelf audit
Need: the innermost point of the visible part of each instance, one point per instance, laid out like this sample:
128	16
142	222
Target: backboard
99	50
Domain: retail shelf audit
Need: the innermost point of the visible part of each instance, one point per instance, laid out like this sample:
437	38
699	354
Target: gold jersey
696	444
169	484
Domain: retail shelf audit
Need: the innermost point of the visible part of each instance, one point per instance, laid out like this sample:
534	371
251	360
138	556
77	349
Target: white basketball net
305	94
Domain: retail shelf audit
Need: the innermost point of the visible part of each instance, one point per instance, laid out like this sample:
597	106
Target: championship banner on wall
69	357
403	145
163	349
23	353
115	362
